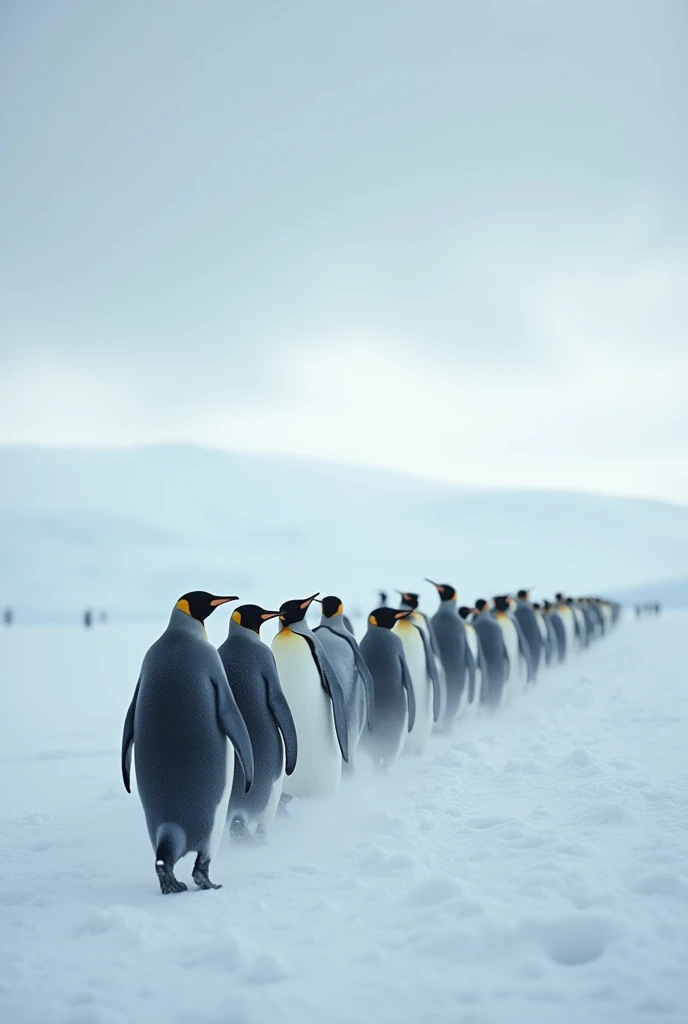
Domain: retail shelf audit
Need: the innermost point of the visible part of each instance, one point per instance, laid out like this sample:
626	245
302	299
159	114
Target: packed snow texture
532	867
118	529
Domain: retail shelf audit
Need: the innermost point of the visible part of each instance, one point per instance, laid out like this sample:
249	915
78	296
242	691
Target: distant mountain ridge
129	529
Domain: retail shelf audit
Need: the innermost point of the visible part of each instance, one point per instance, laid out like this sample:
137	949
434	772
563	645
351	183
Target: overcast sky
449	238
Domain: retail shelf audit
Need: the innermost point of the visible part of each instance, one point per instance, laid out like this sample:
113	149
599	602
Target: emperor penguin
409	602
558	633
254	681
474	677
346	659
185	727
524	613
422	666
316	701
495	658
569	623
457	660
519	658
548	639
579	621
394	701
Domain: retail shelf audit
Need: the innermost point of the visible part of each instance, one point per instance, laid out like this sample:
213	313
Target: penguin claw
203	882
168	883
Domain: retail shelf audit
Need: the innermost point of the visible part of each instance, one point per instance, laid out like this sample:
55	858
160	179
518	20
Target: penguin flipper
332	687
363	671
233	725
433	674
281	712
410	695
128	739
470	672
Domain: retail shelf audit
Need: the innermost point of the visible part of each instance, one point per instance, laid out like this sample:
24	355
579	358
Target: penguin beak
309	600
433	582
216	601
269	615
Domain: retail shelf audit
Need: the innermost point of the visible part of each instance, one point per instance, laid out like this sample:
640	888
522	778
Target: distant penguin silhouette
413	631
554	623
88	618
254	682
345	657
184	727
516	646
494	654
524	614
8	616
316	701
475	671
449	631
394	701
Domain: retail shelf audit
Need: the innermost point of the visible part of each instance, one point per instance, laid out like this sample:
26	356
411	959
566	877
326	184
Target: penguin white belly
516	680
580	619
607	616
417	739
472	641
267	815
542	627
220	819
569	628
318	769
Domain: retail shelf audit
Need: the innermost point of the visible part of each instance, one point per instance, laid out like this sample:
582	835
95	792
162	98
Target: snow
116	529
532	867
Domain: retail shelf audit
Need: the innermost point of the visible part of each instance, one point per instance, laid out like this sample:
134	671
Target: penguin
474	677
516	646
456	657
548	639
580	624
557	630
524	614
345	657
410	601
495	658
316	701
184	726
255	684
569	623
425	678
394	702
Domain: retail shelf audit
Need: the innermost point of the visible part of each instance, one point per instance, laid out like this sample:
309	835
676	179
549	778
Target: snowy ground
533	868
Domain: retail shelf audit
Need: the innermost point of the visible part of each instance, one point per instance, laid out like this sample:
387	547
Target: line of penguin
232	734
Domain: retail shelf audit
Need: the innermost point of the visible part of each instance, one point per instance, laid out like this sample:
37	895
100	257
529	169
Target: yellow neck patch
183	606
372	620
236	617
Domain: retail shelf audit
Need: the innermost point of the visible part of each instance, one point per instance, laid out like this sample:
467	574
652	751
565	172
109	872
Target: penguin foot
284	799
168	882
239	831
200	874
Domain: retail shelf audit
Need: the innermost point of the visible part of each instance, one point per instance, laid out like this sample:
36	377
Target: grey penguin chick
184	727
255	684
394	699
353	673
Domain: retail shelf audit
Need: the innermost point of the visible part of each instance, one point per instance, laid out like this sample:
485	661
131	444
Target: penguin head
408	599
536	606
383	597
546	605
523	595
445	590
481	605
199	604
252	616
502	603
559	598
295	611
465	611
386	618
332	606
